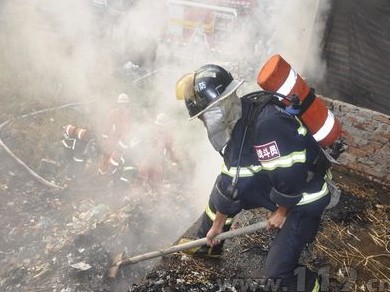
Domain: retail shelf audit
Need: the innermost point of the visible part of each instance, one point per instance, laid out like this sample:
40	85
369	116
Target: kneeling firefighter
75	141
271	160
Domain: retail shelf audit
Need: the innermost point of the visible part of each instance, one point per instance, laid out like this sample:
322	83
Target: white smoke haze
293	29
66	50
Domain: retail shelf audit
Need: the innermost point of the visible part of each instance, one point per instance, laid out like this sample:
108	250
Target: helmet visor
220	120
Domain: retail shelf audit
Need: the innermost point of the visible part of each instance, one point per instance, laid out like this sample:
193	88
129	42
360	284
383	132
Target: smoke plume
58	51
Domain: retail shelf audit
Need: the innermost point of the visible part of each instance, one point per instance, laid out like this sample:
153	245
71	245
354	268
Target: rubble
65	239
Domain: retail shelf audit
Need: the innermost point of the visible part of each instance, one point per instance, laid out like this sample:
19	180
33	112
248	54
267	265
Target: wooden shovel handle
196	243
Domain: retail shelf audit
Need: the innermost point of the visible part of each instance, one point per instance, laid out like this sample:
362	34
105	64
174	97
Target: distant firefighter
75	141
114	136
159	154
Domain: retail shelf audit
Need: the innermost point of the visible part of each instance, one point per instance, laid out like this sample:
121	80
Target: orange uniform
114	138
159	154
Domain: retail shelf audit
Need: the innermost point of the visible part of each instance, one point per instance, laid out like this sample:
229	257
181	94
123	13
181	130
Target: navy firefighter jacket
279	157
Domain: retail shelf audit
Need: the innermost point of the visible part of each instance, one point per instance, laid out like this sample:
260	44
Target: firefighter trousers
300	228
282	262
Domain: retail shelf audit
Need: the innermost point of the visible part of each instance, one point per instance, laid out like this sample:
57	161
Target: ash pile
65	240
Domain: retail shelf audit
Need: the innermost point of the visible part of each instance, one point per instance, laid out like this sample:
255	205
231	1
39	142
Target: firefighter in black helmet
211	85
270	161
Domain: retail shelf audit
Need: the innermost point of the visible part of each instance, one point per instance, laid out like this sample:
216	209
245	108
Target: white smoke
293	29
70	50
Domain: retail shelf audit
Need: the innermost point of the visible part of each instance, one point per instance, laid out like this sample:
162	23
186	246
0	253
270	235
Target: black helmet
212	84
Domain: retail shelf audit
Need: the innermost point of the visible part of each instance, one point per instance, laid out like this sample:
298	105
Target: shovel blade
116	262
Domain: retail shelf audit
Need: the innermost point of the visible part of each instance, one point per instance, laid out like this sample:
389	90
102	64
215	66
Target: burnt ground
63	239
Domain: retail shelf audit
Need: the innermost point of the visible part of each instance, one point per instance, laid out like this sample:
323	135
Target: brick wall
367	134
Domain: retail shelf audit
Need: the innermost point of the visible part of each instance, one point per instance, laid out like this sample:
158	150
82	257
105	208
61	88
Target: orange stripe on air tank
80	133
69	130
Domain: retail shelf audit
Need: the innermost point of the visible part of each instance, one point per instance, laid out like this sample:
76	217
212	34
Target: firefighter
270	161
75	141
114	136
159	153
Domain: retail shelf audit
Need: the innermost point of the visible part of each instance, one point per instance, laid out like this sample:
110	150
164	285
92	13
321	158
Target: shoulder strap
258	100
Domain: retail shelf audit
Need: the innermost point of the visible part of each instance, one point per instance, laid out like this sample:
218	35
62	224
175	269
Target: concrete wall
367	134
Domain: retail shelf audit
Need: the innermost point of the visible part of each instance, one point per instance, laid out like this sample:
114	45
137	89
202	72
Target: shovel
120	261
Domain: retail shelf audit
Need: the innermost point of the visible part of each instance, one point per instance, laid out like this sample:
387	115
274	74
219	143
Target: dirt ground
63	239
